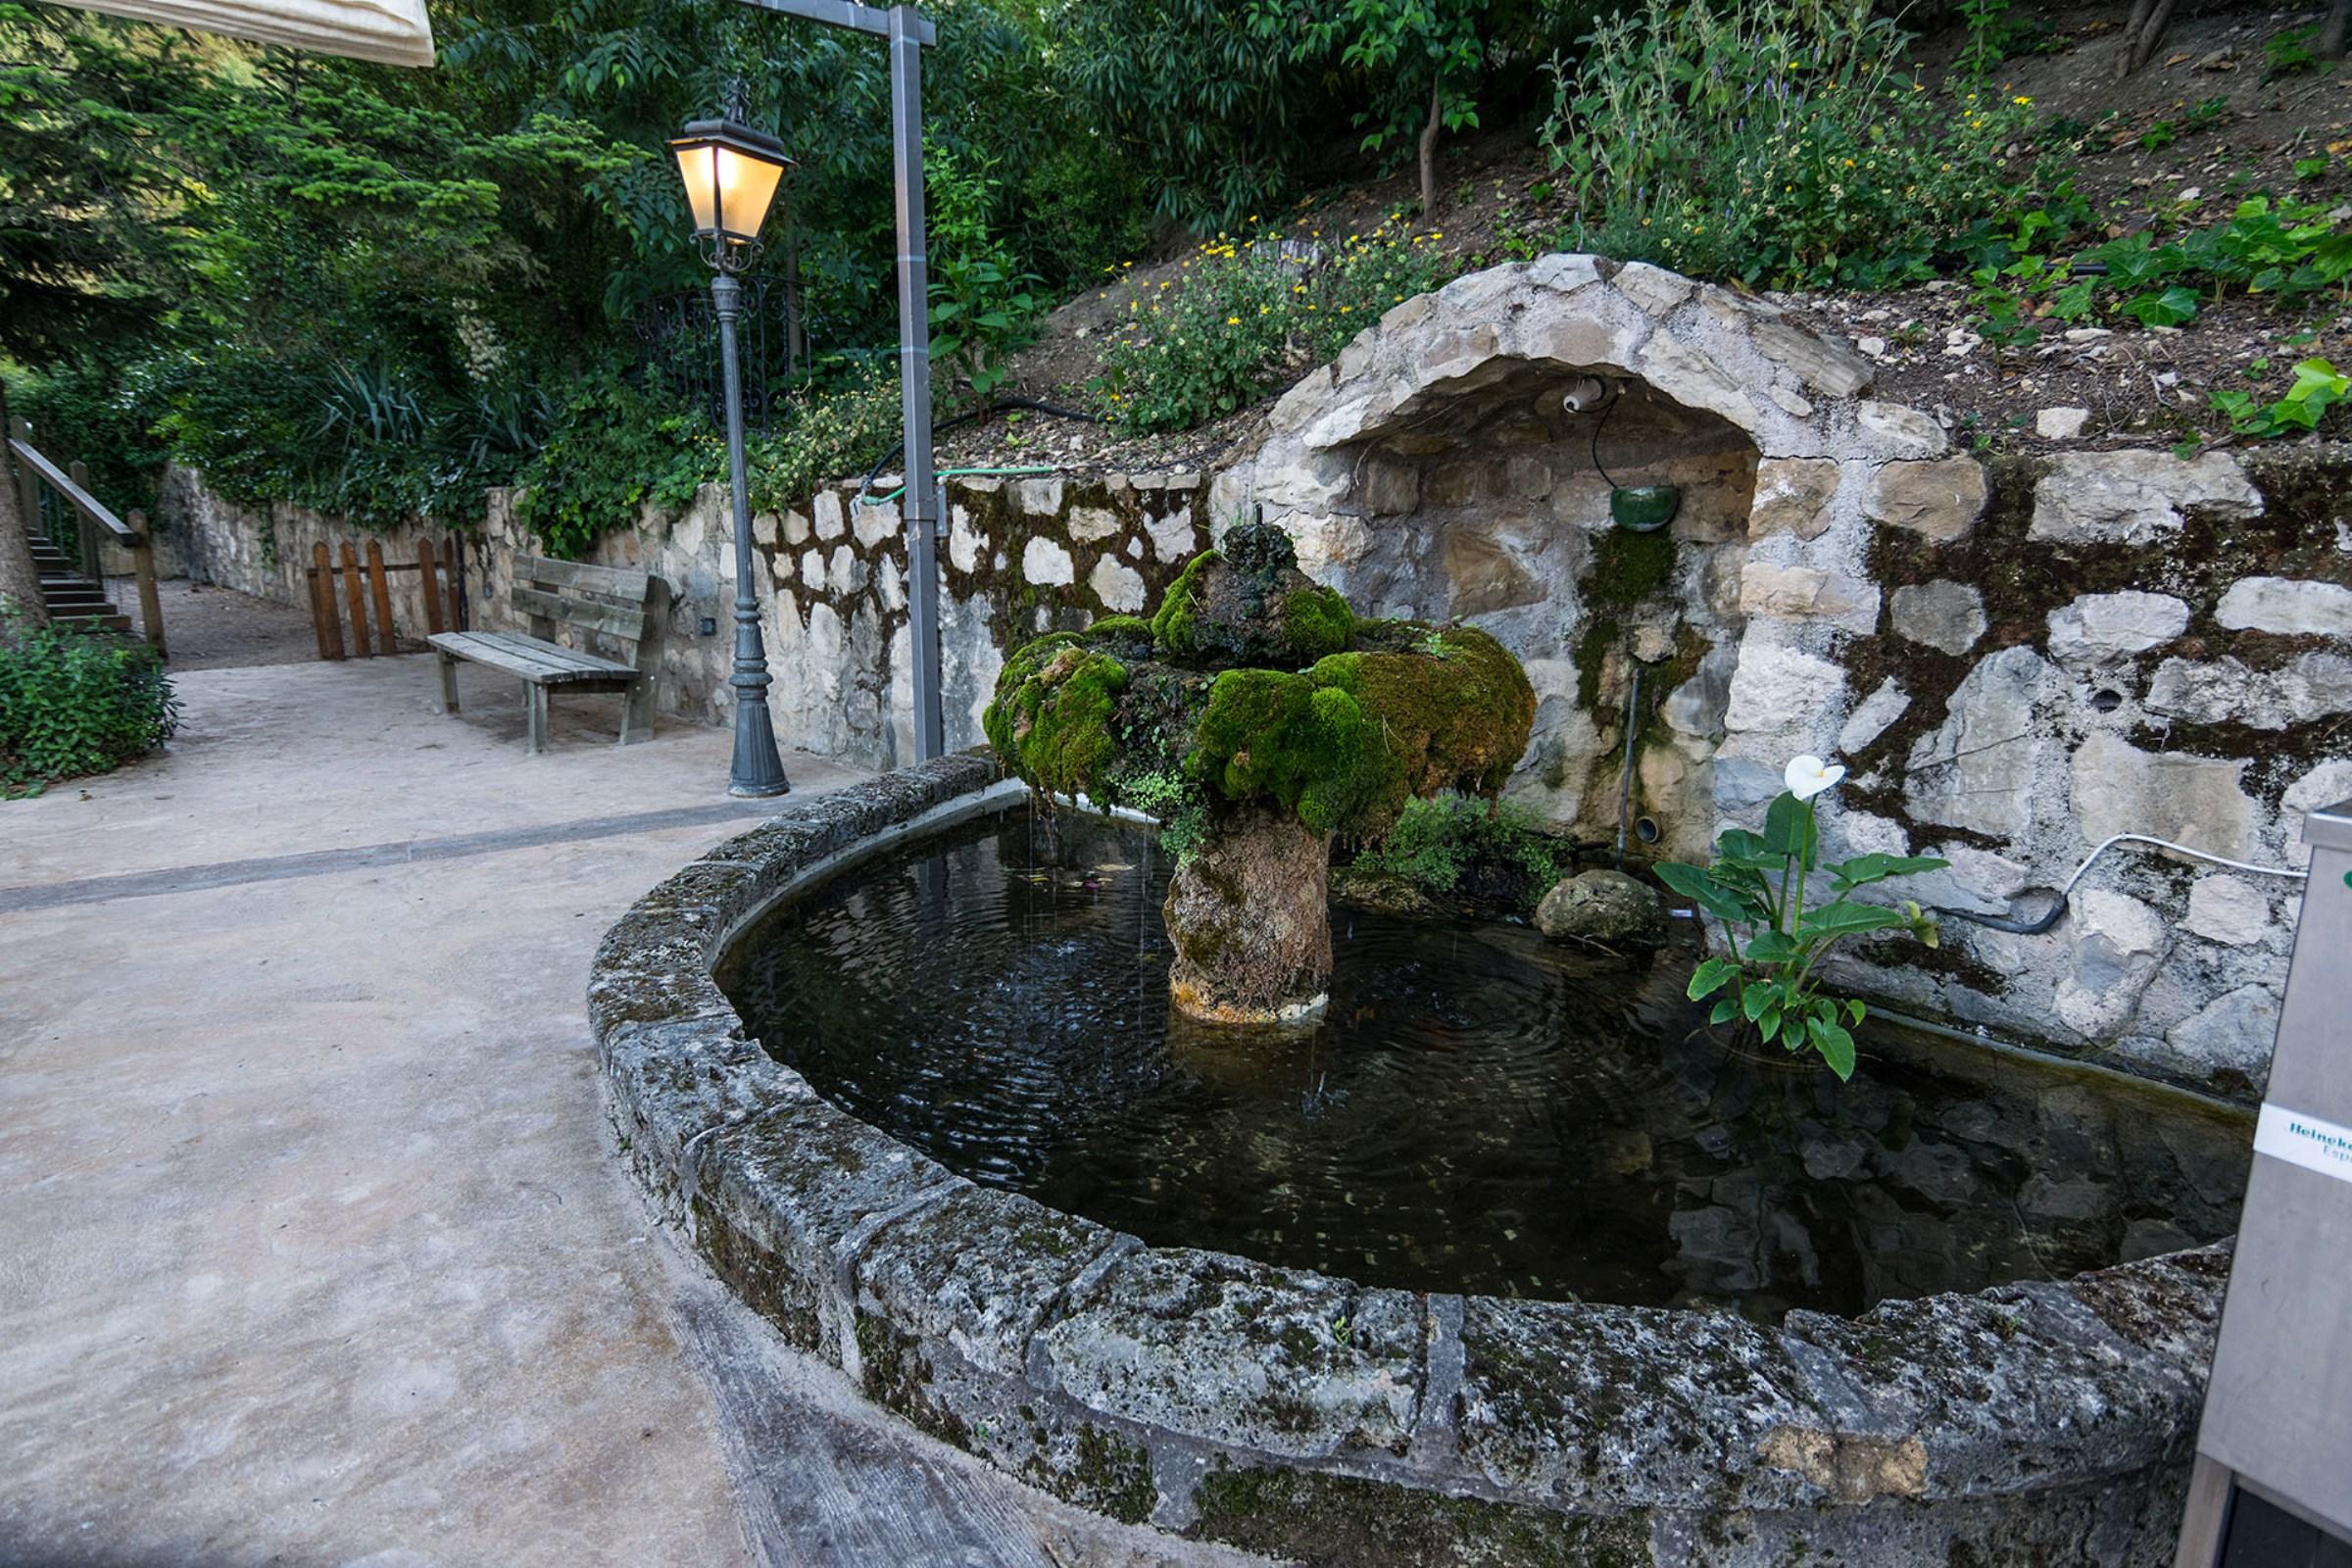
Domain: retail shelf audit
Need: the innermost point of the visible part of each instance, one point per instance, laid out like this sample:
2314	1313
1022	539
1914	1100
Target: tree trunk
2142	34
1429	152
1250	916
2331	32
20	578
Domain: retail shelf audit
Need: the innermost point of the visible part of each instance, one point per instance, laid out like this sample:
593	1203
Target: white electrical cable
2179	848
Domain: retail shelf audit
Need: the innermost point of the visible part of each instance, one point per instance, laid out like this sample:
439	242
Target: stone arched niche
1437	470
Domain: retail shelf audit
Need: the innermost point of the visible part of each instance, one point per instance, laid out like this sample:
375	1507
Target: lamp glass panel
746	187
696	167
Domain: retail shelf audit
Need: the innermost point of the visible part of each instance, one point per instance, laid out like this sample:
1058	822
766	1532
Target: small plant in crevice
1454	844
1756	889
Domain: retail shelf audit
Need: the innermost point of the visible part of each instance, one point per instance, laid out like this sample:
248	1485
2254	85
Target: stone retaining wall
1345	1424
2016	658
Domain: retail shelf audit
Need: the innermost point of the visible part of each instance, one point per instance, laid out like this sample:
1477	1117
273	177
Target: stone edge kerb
798	1203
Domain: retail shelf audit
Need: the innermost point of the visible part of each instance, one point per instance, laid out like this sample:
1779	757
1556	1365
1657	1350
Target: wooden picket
438	570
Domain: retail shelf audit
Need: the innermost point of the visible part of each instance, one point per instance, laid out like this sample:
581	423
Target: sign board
2272	1482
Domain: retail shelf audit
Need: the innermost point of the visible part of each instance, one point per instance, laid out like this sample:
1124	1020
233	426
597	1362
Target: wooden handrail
89	505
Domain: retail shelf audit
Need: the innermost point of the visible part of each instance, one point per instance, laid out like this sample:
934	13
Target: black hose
2020	928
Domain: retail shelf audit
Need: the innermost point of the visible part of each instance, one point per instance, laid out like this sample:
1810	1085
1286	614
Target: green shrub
74	704
1242	319
1779	141
1437	841
614	450
831	432
83	411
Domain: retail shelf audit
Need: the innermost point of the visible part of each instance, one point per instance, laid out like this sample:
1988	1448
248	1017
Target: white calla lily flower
1808	776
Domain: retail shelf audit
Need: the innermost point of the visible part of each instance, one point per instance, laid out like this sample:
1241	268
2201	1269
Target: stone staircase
74	600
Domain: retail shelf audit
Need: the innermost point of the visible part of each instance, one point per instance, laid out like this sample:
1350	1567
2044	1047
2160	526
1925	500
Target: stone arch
1434	471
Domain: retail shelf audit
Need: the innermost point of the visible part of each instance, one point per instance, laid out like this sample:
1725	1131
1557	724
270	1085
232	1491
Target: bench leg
637	713
449	682
535	729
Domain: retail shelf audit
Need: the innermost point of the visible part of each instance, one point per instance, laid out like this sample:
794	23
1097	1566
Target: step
91	623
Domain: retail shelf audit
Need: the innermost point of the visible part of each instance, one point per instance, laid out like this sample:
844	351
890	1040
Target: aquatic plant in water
1258	717
1757	888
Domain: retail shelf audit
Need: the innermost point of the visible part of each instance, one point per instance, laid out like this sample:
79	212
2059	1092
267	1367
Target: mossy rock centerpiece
1257	718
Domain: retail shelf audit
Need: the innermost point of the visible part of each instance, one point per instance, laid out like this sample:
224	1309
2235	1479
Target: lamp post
731	173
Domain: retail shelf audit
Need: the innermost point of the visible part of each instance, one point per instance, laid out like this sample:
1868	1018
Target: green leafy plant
982	305
1757	888
614	450
2317	387
74	704
1435	842
1243	314
1781	142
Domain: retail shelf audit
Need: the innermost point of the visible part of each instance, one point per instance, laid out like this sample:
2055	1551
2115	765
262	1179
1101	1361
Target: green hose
950	474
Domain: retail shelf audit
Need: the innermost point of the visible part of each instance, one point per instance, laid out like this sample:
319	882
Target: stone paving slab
314	1248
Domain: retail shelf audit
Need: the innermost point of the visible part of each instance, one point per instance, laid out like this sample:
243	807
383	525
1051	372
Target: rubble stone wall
2016	659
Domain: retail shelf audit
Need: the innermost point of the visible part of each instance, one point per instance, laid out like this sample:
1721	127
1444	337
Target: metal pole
922	500
757	770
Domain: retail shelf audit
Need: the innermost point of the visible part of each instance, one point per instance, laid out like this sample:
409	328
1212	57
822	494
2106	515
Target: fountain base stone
1250	916
1337	1423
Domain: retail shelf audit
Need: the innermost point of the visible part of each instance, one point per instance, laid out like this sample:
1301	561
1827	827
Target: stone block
1655	291
1040	498
2234	1032
2226	691
1087	524
2101	628
2196	801
2117	942
1389	489
875	521
1173	537
1895	432
1781	690
1977	770
2323	786
1562	271
1948	617
1792	495
831	522
1820	364
1119	586
1047	563
1694	380
2288	605
1940	499
1871	717
1804	592
1196	1342
2135	497
1482	575
2229	910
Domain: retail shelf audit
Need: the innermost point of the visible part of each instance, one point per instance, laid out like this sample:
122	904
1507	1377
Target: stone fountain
1259	717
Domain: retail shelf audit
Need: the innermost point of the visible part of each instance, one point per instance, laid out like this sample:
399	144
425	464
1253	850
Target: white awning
396	32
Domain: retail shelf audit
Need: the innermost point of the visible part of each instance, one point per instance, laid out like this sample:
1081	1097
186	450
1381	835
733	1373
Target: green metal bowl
1644	508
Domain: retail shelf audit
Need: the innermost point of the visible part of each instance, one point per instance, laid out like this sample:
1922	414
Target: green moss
1317	622
1114	1476
1291	739
1328	1519
1629	567
1052	718
1592	657
1173	626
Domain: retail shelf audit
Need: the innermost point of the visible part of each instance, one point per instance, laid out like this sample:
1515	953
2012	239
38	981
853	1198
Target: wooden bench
612	604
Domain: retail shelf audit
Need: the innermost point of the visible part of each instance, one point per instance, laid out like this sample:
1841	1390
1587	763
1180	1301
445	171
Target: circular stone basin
1477	1111
1343	1414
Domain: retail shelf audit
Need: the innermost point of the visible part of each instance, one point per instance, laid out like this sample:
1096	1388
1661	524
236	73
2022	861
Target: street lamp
731	173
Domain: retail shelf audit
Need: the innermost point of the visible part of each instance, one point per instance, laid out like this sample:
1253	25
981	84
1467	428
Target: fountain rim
1049	1345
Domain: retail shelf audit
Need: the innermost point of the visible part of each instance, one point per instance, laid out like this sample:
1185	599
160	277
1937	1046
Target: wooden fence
440	570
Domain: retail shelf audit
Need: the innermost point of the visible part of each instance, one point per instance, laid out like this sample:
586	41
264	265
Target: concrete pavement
313	1249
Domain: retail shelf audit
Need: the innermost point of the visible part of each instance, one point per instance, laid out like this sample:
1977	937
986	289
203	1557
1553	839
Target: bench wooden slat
539	664
621	582
624	623
570	663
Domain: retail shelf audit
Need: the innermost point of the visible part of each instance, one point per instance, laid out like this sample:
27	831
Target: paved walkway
313	1249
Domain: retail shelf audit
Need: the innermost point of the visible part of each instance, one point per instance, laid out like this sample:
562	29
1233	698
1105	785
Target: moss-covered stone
1628	567
1336	1520
1259	690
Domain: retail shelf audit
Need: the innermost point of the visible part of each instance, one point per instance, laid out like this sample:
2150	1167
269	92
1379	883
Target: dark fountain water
1477	1110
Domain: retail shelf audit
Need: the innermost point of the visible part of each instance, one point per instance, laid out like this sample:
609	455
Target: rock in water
1603	906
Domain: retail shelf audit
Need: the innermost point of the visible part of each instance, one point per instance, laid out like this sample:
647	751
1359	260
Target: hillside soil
2178	144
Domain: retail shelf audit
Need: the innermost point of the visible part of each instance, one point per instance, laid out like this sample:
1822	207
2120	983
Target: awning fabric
396	32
